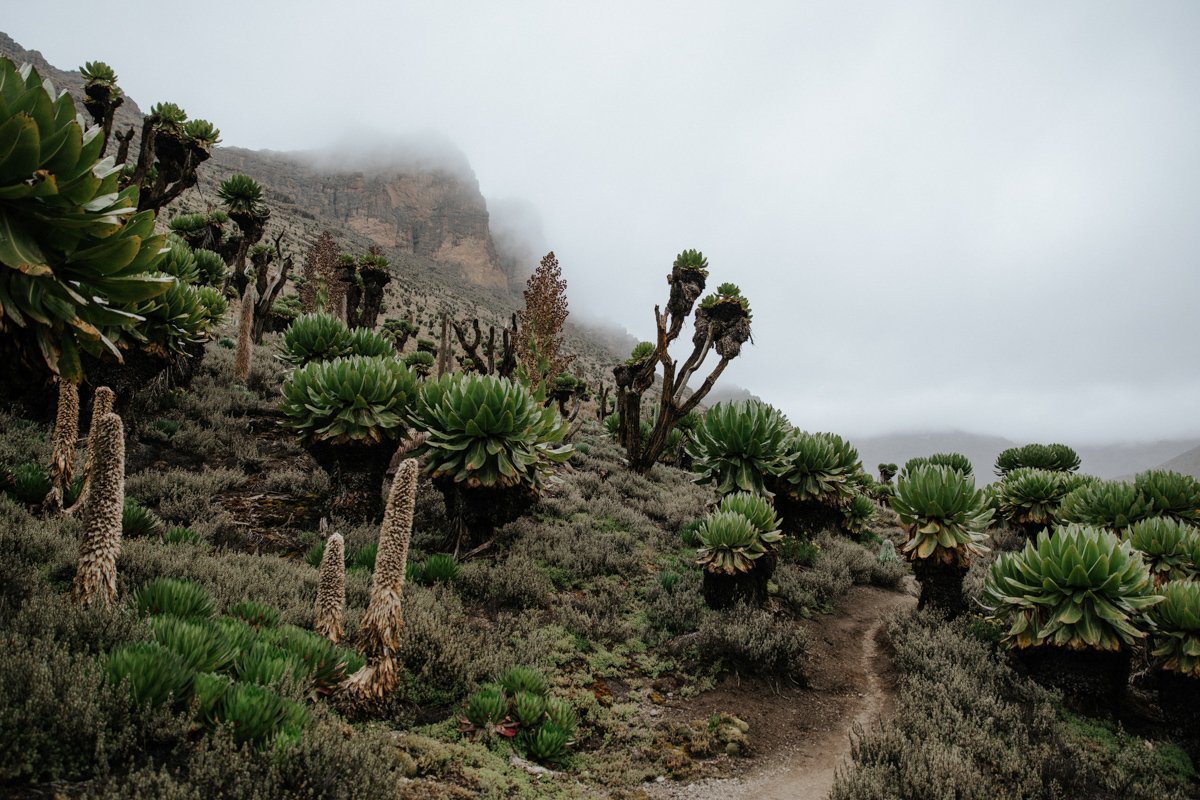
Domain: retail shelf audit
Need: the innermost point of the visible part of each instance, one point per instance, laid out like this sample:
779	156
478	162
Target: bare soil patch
799	736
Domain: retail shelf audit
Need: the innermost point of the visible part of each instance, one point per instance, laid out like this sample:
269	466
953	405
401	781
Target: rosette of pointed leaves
1081	587
1054	457
1109	504
156	676
1170	493
202	646
730	543
1031	497
353	399
74	255
487	431
215	306
524	679
419	362
253	714
101	93
1176	622
241	194
945	513
1169	546
754	507
953	460
858	514
487	708
723	318
819	467
738	446
316	337
174	320
211	266
547	743
366	342
641	352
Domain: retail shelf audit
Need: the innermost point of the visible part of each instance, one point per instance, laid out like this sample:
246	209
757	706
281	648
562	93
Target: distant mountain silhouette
1105	461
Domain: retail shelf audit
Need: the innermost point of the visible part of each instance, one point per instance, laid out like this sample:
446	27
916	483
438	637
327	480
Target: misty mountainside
1105	461
1187	463
413	196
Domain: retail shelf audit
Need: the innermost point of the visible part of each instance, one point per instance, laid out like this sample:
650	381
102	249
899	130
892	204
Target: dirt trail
851	683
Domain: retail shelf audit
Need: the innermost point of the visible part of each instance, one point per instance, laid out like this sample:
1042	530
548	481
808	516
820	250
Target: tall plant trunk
806	518
478	512
1093	679
725	591
941	586
356	472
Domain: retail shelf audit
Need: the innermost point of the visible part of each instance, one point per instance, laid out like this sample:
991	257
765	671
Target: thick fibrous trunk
241	361
941	585
356	471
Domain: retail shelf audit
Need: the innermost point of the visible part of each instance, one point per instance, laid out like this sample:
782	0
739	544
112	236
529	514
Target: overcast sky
982	216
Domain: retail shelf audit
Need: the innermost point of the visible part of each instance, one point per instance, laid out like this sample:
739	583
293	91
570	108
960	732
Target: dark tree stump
725	591
356	471
1095	679
941	586
478	511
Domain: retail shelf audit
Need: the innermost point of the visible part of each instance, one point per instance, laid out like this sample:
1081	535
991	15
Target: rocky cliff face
434	212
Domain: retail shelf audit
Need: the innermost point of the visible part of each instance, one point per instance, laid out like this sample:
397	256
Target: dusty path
807	736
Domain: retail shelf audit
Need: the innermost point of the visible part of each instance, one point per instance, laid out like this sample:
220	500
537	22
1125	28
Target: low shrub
754	641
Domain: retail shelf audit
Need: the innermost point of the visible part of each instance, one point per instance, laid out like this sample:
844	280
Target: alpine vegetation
96	574
331	591
379	634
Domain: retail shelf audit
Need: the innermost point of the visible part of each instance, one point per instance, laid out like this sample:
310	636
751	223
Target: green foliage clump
1081	587
183	599
756	508
1171	548
641	352
315	337
181	535
738	446
355	399
730	543
420	362
287	307
1029	497
1170	494
137	520
75	257
487	431
438	568
1176	628
818	467
521	707
364	557
257	615
28	483
1052	457
156	675
945	513
202	646
1108	504
369	343
858	514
